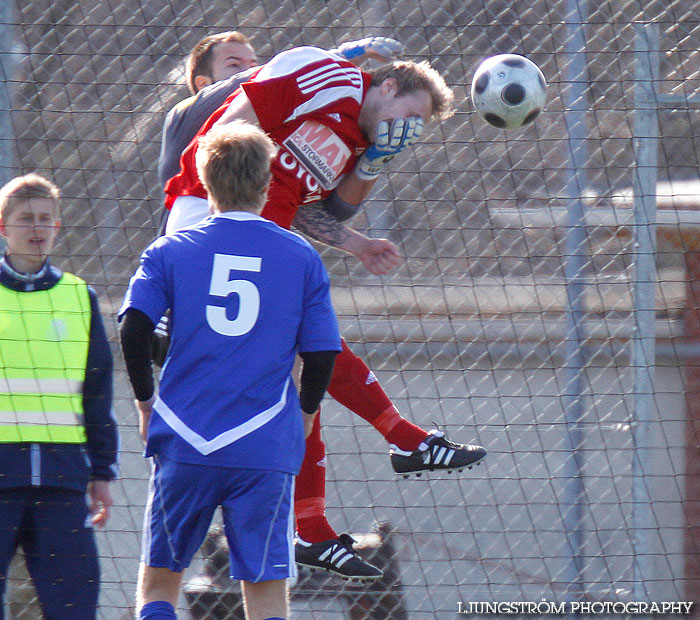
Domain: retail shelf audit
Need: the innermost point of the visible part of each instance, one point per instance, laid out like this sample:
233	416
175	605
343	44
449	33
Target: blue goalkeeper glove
379	48
391	140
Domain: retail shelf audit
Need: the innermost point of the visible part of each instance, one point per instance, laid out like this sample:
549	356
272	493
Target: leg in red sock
317	545
354	386
310	491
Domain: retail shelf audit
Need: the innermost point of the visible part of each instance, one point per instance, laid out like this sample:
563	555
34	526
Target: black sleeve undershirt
315	377
135	331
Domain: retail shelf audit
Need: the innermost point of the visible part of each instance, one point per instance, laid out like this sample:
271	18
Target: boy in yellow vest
58	438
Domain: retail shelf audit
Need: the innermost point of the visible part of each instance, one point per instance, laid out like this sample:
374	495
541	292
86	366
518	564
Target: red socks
310	491
354	386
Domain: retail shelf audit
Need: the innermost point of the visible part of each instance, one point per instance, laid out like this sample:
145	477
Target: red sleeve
283	200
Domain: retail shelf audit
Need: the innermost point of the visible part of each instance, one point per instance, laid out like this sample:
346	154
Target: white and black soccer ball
508	91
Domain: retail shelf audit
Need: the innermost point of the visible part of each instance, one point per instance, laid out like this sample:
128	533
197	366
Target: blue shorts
257	509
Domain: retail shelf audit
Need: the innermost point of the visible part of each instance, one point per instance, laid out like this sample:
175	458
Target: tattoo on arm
317	223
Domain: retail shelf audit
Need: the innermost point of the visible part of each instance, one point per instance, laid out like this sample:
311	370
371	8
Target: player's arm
353	190
318	338
145	301
100	425
315	379
167	165
338	208
378	48
379	256
241	107
185	119
135	333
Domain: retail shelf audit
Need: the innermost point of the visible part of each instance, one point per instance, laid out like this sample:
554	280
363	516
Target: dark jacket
68	466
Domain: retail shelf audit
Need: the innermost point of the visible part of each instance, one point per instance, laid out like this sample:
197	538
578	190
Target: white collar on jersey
240	216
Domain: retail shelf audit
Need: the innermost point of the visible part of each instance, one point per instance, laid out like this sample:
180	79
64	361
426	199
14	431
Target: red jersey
308	101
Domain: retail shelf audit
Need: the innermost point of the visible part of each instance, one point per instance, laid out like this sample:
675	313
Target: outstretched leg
354	385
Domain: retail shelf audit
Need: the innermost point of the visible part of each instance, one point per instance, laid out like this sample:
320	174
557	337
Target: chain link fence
471	332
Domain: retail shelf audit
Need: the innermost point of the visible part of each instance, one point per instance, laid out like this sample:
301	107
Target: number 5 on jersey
248	294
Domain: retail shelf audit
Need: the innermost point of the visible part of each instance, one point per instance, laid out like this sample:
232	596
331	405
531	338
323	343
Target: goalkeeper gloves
379	48
392	138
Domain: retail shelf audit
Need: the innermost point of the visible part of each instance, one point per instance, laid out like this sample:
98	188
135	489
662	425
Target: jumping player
215	67
226	427
322	112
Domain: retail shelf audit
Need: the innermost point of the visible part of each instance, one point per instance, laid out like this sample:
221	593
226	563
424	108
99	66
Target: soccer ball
508	91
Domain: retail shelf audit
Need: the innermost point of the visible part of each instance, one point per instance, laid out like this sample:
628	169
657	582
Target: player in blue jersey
225	428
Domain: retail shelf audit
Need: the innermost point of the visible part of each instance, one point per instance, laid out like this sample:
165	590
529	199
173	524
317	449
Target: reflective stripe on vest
44	340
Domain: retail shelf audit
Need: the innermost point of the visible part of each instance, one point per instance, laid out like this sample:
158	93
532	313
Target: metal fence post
6	74
574	270
646	134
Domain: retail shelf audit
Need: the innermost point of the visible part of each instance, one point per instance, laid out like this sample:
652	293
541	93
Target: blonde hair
201	56
412	77
21	189
233	163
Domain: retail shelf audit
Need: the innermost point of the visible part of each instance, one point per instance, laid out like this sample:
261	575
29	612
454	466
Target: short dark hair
199	60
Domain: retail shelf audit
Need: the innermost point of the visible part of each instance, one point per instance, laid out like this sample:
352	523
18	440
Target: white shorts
186	211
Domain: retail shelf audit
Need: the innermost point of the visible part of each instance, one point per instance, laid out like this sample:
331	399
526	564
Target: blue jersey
245	297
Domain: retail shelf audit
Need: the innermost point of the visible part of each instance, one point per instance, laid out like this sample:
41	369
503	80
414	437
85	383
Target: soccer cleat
438	453
335	556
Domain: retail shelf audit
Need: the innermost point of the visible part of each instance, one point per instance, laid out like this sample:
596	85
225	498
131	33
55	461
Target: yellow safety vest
44	340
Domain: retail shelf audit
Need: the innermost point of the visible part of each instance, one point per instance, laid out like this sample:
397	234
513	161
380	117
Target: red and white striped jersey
308	101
